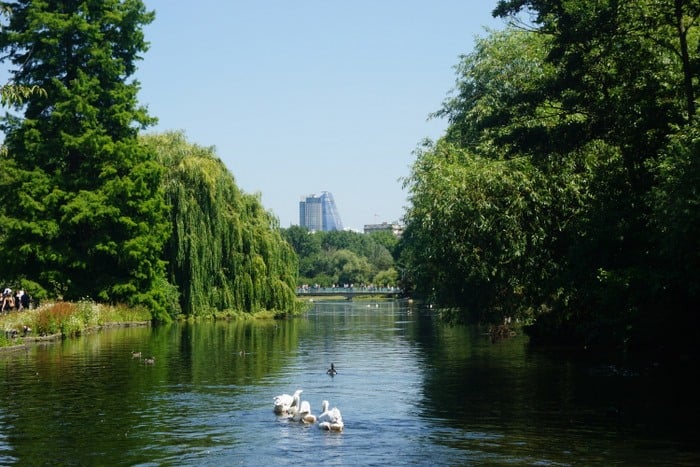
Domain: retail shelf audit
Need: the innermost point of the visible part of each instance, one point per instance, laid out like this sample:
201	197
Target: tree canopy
557	190
93	209
225	253
83	213
343	257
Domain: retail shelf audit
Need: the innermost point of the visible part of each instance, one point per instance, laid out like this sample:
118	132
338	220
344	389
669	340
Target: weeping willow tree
226	253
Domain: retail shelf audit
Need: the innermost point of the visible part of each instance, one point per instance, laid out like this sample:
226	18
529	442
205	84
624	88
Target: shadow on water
573	407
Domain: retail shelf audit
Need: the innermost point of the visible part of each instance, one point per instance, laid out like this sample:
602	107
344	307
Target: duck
284	403
332	371
330	420
135	354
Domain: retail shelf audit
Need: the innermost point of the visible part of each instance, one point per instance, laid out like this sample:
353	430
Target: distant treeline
343	258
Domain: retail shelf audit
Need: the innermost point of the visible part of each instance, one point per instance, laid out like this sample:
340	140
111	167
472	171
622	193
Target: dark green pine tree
83	213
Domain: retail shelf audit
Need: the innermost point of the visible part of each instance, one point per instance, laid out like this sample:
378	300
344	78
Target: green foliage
84	211
564	188
68	319
673	284
341	257
500	106
225	251
476	224
387	240
675	201
386	278
13	95
305	243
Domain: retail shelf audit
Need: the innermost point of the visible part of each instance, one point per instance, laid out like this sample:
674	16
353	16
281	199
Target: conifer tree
83	209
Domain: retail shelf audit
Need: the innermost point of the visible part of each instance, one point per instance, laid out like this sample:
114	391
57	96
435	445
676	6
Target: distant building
396	229
319	213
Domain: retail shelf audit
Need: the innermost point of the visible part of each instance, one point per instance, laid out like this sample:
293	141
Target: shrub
88	312
52	319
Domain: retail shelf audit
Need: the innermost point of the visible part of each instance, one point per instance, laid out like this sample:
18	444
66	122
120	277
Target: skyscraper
318	213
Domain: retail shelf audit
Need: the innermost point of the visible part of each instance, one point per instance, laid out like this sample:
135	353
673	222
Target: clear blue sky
305	96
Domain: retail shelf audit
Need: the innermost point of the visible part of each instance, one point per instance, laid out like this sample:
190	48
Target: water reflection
411	390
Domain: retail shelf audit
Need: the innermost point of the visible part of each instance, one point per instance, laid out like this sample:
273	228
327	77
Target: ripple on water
411	392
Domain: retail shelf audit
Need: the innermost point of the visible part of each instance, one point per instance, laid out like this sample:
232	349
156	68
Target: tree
304	242
386	278
386	239
225	252
339	257
476	236
84	212
11	94
362	245
500	106
630	69
566	175
675	287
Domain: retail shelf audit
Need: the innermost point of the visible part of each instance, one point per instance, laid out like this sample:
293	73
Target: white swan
284	403
330	420
294	409
303	414
296	404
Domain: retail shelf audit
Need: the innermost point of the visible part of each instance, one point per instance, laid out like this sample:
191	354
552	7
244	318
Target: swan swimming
332	371
296	407
303	414
284	403
330	420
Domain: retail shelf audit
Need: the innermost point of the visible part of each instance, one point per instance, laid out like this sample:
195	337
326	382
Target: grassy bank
67	319
64	319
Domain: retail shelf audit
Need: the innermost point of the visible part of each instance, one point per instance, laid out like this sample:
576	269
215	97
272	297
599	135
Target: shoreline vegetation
61	320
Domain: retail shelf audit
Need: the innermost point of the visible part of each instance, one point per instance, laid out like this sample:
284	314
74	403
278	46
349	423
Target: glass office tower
319	213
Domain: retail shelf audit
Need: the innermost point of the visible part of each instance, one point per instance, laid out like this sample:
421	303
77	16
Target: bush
53	318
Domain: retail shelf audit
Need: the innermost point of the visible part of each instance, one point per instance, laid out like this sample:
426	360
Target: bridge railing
347	290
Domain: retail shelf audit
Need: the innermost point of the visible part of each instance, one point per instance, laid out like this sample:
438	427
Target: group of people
19	300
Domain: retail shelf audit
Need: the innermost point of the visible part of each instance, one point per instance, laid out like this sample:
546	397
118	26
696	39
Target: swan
295	408
284	402
332	371
303	414
149	361
330	420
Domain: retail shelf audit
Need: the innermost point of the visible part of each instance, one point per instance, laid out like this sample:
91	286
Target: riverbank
59	320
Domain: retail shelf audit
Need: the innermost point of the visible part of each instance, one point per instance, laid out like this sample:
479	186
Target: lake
412	390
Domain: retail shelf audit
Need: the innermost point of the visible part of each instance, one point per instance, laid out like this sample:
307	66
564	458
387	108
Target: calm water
411	390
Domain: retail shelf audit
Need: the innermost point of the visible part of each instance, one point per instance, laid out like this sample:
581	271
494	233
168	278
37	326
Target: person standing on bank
18	299
26	299
7	300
